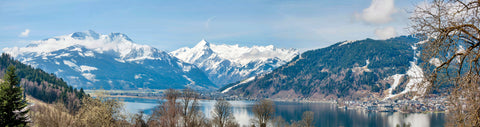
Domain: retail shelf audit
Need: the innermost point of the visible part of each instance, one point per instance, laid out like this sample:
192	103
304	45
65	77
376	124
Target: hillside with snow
352	70
226	64
113	61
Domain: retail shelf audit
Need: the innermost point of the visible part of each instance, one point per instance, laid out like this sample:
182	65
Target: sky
172	24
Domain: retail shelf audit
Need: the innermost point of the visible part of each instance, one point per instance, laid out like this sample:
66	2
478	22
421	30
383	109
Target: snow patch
138	76
81	68
347	42
187	68
70	64
415	74
77	49
89	54
396	82
242	82
422	42
63	55
143	58
415	82
120	60
362	69
191	81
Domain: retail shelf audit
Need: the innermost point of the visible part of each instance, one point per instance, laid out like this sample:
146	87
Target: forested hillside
41	85
350	69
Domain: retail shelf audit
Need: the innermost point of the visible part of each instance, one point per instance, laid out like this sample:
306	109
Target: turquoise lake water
326	115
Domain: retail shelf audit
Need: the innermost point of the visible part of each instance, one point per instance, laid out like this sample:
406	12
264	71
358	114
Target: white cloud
385	33
379	12
25	33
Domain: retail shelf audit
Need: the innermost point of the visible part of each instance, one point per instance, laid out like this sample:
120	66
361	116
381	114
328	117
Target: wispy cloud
379	12
207	23
25	33
207	26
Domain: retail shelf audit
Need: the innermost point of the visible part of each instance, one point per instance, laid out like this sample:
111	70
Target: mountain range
92	61
226	64
350	69
354	70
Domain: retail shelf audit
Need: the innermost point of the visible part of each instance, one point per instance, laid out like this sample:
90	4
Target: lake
326	114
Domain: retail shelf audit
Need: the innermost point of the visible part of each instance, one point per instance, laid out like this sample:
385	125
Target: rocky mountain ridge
92	61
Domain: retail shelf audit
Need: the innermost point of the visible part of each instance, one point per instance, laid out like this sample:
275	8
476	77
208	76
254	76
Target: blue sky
168	25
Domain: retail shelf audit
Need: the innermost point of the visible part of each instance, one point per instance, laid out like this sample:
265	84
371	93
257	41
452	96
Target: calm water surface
326	115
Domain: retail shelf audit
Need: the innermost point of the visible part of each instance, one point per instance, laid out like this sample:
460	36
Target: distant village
437	104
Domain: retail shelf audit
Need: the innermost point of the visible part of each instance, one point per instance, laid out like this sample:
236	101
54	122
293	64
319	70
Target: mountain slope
41	85
350	69
231	63
114	61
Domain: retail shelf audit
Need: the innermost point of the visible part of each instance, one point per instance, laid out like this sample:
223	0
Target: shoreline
128	96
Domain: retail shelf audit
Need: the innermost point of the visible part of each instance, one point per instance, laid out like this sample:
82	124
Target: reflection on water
327	115
415	120
241	110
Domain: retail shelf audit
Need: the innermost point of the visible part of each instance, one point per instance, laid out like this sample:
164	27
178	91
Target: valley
213	63
368	76
362	70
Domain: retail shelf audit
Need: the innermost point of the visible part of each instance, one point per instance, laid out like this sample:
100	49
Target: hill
41	85
350	69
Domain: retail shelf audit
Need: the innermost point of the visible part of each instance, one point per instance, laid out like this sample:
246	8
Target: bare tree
279	122
137	120
223	114
100	112
184	113
307	119
56	115
191	115
451	32
167	113
189	106
264	111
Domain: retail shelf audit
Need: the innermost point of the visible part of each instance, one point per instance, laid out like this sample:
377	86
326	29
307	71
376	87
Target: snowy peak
117	44
112	61
234	53
202	44
119	36
84	35
201	51
231	63
245	55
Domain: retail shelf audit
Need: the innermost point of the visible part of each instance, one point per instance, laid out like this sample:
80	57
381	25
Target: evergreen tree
12	106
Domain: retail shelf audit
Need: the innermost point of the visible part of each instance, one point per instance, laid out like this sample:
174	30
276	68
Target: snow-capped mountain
231	63
113	61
